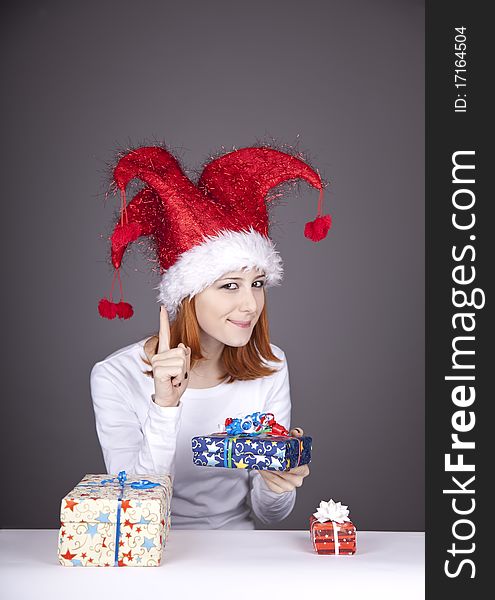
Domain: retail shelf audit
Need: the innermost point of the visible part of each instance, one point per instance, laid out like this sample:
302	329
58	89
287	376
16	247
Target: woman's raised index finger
164	333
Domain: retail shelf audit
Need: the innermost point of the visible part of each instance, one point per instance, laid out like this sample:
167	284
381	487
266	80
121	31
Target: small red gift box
336	536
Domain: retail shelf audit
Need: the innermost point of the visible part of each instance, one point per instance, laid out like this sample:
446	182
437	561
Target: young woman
213	361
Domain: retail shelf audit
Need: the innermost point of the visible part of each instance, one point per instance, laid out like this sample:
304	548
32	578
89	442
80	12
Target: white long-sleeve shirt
138	436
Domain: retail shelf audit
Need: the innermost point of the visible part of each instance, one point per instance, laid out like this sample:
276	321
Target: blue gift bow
142	484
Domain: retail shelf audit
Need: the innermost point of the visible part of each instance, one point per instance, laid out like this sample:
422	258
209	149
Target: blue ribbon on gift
142	484
227	451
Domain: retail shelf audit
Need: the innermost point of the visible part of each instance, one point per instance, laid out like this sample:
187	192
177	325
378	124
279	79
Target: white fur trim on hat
227	251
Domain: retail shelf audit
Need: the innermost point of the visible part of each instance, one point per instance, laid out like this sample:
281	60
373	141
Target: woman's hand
171	367
286	481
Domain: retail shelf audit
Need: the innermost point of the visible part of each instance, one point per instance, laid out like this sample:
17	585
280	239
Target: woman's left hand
286	481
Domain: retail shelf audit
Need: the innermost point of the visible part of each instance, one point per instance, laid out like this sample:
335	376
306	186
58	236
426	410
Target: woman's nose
248	302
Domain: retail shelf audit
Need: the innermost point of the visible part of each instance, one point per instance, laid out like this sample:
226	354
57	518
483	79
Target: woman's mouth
243	324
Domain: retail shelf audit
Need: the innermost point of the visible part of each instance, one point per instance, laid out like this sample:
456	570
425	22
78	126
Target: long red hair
241	363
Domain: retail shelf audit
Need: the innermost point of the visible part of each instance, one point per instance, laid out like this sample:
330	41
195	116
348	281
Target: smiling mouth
242	324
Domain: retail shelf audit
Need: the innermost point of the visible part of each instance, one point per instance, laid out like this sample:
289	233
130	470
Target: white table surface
221	563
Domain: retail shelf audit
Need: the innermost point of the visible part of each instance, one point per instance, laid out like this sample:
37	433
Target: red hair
241	363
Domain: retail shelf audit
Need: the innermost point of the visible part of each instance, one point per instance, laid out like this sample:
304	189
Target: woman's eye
255	284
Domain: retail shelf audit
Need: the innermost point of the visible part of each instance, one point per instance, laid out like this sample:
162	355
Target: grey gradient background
343	80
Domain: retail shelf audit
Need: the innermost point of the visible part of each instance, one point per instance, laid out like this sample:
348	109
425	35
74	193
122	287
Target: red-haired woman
212	357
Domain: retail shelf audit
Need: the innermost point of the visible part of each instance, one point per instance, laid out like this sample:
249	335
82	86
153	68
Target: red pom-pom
124	310
107	309
317	230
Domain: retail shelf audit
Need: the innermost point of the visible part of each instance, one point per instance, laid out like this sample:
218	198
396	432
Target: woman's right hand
171	367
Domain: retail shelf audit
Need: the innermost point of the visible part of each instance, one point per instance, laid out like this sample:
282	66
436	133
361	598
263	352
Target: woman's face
229	309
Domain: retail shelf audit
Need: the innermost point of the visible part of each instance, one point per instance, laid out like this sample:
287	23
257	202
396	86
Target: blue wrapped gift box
262	452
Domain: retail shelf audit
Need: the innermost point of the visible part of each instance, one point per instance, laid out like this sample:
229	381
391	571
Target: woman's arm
269	506
124	443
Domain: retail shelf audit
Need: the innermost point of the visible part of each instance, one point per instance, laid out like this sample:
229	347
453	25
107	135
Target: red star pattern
90	560
70	537
83	555
121	543
128	524
128	534
61	524
122	563
162	522
70	504
68	555
128	555
107	564
62	533
126	504
138	529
